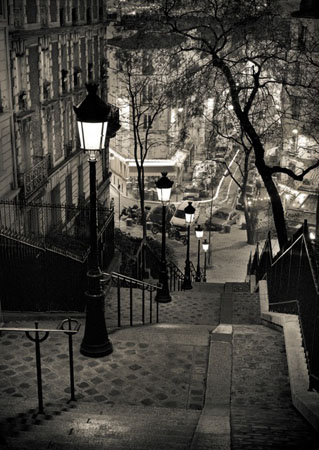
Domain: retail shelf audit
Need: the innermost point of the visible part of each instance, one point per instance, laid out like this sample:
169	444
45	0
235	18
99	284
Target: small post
131	304
71	362
118	303
37	341
39	374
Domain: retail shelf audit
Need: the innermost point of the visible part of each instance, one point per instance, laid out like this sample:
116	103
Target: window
148	93
147	121
1	9
80	181
55	200
74	16
68	195
90	71
302	37
64	79
53	11
31	10
62	17
295	106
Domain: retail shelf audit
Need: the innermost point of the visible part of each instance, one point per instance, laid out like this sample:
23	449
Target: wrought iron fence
53	225
292	280
45	269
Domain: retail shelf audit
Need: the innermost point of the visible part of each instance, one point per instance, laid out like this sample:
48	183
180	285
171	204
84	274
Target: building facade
54	48
8	169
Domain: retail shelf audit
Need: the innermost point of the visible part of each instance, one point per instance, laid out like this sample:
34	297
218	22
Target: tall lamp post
189	218
92	115
199	234
205	248
164	188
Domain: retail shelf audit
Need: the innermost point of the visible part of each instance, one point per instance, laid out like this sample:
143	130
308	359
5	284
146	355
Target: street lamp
199	234
189	217
205	248
164	188
92	116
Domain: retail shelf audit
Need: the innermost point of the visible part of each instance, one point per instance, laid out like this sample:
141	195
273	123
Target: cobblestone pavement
262	414
141	370
246	308
137	372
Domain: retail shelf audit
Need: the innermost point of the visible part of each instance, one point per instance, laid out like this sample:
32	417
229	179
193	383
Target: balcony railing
35	177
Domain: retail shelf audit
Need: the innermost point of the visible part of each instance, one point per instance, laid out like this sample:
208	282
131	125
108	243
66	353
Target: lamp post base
187	285
95	341
163	295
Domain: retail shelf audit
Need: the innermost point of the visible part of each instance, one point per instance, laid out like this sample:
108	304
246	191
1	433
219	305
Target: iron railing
120	280
53	225
48	274
193	271
292	280
38	335
176	277
152	263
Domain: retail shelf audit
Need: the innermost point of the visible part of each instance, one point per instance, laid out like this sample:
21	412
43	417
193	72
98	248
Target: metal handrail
37	340
149	286
285	274
193	270
178	274
133	282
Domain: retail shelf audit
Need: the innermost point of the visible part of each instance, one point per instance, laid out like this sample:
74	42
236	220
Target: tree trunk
277	208
317	220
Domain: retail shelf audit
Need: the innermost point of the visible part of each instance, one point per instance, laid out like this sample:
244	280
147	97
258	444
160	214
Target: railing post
37	341
131	304
70	337
118	303
143	304
151	306
157	312
39	374
71	363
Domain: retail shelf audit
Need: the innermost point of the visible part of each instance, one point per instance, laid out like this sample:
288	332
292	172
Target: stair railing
176	277
119	280
40	335
193	271
293	288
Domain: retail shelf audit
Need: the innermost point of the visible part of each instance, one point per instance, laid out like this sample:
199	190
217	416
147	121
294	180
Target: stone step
118	428
166	333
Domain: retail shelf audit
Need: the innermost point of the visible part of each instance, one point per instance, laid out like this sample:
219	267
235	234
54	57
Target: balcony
36	177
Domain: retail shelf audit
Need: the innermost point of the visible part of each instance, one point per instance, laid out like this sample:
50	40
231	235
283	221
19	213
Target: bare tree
147	79
251	67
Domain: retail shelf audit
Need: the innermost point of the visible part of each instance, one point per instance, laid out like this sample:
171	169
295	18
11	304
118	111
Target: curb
213	429
305	401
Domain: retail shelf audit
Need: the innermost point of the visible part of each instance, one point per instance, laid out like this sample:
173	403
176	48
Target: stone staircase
168	386
151	398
